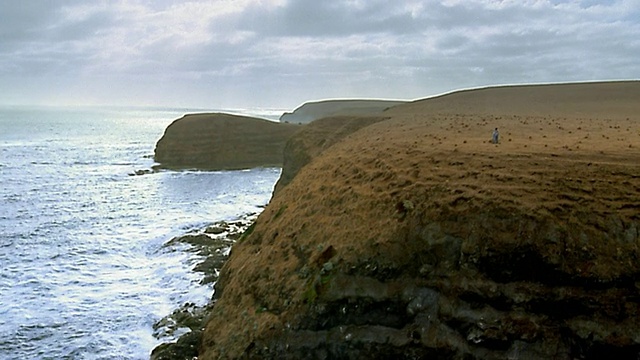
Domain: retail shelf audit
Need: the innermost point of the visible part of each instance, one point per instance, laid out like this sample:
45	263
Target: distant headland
314	110
219	141
409	234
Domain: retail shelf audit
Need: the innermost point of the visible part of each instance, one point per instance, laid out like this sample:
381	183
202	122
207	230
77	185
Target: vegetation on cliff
416	237
222	141
314	138
315	110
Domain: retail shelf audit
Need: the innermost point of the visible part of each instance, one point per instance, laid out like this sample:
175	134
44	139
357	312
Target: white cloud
250	52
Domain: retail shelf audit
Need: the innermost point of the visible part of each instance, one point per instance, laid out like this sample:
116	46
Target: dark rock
216	230
142	172
212	243
185	348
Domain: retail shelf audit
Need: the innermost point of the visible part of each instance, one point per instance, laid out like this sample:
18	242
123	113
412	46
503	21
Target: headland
411	235
219	141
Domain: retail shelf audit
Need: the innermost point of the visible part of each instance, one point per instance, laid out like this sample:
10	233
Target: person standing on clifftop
496	136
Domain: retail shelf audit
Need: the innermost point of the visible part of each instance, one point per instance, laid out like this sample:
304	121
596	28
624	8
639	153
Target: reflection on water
84	273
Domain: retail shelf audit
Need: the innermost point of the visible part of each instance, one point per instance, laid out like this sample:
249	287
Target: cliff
314	138
222	141
416	237
315	110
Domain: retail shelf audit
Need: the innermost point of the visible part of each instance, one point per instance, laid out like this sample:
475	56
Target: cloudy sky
280	53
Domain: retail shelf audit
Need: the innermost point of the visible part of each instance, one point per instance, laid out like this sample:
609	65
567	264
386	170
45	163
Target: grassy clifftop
416	237
222	141
315	110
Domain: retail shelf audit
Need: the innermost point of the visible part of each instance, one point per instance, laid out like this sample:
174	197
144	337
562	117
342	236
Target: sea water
84	273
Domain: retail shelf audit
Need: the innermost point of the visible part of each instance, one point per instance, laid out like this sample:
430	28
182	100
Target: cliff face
414	237
222	141
316	137
315	110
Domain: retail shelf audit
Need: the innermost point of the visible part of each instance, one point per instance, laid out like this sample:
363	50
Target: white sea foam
85	274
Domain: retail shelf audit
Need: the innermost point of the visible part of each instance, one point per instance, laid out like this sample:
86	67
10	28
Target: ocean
84	273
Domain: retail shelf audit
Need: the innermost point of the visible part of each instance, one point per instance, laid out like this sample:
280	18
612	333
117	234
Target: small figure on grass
496	136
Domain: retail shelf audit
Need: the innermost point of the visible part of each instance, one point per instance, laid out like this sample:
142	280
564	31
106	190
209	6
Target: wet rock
189	319
187	322
185	348
142	172
216	230
196	240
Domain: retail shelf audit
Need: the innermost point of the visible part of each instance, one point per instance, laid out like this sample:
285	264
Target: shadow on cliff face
316	137
435	278
414	237
476	282
452	289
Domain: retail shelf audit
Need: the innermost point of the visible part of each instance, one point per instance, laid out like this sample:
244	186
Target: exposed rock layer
414	237
222	141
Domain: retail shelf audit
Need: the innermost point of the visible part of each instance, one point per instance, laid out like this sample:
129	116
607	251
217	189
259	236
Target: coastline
181	330
416	236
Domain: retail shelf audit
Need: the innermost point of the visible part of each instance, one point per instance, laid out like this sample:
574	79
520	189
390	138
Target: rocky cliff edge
314	110
220	141
416	237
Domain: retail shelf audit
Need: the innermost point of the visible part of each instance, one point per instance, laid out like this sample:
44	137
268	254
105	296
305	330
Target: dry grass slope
422	216
222	141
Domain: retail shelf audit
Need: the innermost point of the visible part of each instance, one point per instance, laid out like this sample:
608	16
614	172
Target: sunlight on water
85	273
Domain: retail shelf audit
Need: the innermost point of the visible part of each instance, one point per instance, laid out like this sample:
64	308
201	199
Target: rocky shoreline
412	235
186	323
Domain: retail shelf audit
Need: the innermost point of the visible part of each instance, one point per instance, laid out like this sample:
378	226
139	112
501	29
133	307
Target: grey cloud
20	20
310	18
38	40
307	49
83	29
30	20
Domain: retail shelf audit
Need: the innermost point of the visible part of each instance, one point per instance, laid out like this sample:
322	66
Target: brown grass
566	151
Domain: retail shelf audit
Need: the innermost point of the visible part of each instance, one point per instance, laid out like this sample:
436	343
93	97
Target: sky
282	53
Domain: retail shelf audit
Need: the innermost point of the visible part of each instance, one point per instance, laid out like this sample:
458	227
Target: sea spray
181	330
85	269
